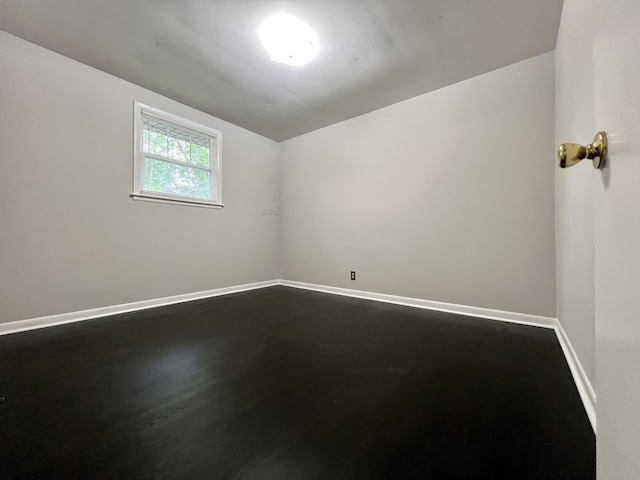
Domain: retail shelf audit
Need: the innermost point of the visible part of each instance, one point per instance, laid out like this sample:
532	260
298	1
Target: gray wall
447	196
574	187
71	238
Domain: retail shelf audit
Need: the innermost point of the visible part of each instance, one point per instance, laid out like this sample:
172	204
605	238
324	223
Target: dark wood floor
282	383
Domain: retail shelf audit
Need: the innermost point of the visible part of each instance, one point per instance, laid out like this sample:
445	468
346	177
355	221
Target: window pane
164	177
177	143
200	155
155	143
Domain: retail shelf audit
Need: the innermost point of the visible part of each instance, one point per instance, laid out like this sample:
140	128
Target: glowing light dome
289	40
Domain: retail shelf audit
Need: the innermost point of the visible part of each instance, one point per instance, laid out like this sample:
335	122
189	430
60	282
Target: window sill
175	201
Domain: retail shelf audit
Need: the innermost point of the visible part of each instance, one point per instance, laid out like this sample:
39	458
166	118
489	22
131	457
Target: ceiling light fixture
288	39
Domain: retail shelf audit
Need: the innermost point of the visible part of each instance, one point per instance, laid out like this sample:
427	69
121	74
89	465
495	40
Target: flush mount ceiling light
288	39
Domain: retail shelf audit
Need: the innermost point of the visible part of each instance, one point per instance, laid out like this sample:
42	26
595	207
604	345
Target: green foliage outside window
177	179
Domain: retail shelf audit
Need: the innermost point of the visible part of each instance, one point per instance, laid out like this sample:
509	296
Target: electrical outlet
353	275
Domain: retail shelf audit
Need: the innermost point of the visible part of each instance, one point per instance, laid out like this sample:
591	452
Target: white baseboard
513	317
51	320
586	391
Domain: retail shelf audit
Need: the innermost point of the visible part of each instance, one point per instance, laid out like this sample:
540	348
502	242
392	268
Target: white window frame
138	159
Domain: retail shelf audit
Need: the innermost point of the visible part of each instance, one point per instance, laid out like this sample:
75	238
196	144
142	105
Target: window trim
138	159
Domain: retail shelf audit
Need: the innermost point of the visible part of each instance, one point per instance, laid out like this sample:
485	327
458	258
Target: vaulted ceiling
207	53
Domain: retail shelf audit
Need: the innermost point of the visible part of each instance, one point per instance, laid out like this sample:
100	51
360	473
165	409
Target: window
176	160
